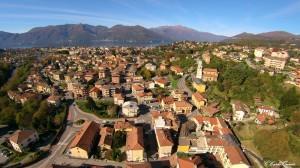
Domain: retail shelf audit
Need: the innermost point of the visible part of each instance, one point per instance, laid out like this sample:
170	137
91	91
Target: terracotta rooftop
135	139
85	136
235	155
20	135
199	96
189	162
164	137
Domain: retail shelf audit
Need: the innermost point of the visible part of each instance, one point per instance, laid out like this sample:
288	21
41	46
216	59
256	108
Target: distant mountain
267	38
80	34
179	33
88	35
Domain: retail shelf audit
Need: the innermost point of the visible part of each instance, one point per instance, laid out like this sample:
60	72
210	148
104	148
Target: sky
223	17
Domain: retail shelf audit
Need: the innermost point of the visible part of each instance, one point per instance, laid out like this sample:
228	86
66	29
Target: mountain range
89	35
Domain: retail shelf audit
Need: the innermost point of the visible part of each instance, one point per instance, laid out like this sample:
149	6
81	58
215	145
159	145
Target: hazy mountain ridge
179	33
89	35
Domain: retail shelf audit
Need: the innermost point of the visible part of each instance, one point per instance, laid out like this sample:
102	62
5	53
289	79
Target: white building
199	70
130	109
258	53
150	67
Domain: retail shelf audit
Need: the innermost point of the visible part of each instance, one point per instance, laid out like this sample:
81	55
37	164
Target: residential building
164	142
130	109
177	70
165	120
210	74
274	62
199	100
239	110
21	139
161	82
105	141
135	145
193	162
95	93
84	140
182	107
118	99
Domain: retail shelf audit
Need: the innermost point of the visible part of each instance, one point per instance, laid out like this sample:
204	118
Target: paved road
182	86
252	156
65	139
57	151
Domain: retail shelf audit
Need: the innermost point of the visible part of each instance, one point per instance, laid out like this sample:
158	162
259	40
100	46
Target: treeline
5	72
18	77
35	114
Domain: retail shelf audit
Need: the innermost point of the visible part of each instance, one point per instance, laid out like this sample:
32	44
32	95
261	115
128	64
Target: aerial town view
149	84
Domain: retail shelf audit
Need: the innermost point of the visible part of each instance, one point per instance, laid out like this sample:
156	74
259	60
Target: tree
119	139
90	104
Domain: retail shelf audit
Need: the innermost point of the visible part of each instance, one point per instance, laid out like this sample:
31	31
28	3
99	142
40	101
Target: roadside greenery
102	109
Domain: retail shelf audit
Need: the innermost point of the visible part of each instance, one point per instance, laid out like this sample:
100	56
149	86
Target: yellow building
200	87
84	140
135	145
198	100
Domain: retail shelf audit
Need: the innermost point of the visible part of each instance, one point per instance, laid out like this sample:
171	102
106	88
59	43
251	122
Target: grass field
269	142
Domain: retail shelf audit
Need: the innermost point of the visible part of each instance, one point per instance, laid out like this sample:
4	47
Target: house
115	78
137	88
150	67
167	102
130	109
178	95
135	145
42	87
199	100
95	93
118	99
206	57
264	118
210	110
210	74
239	110
105	141
193	162
182	107
177	70
165	120
200	87
161	82
84	140
144	98
268	110
123	125
259	53
21	139
54	100
233	157
164	142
